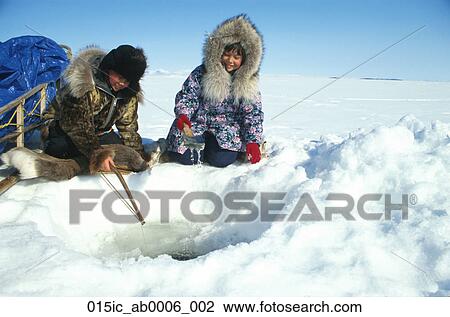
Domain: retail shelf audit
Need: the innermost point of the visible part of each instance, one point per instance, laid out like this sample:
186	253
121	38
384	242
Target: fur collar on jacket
217	83
80	73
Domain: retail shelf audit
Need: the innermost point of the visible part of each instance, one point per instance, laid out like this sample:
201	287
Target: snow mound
341	258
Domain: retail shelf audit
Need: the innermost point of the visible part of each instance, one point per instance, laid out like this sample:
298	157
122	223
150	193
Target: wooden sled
9	181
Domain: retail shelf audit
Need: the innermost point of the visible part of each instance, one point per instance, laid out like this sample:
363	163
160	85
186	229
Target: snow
355	137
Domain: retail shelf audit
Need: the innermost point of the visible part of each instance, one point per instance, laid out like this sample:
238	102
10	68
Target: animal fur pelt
32	164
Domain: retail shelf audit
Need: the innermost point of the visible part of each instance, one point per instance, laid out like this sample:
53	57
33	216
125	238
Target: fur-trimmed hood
80	73
217	83
83	71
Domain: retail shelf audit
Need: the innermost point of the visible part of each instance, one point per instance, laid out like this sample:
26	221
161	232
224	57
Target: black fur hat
128	61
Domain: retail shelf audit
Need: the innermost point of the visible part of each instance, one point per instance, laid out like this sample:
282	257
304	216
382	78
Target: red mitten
253	153
182	119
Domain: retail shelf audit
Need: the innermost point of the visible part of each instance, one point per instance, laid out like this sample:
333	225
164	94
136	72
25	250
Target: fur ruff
80	73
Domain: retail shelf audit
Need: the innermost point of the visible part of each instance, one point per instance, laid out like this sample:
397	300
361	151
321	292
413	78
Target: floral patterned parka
233	124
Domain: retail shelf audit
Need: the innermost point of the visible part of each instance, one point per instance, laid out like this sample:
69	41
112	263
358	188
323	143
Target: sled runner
9	181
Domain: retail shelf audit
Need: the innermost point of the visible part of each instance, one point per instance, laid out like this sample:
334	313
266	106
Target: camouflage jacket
87	107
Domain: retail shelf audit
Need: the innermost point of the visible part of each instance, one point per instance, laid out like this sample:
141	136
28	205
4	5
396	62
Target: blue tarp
26	62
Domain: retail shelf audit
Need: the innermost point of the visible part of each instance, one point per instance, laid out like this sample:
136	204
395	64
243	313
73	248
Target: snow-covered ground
355	137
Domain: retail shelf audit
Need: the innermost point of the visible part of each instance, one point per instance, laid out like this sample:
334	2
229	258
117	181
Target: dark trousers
213	154
60	145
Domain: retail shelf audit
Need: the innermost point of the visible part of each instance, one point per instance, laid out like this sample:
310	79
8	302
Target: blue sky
308	37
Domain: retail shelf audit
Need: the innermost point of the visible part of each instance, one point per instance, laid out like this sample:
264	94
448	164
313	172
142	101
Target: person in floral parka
220	99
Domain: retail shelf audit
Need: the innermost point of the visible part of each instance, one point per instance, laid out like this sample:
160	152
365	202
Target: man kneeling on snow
101	90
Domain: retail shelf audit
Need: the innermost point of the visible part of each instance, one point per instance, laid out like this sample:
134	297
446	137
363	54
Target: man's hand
101	160
106	165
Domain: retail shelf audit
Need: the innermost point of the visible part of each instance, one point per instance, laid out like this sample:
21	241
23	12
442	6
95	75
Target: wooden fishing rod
137	212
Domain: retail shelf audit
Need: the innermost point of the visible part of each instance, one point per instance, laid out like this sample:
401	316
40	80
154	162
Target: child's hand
183	119
253	153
